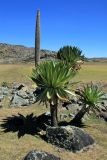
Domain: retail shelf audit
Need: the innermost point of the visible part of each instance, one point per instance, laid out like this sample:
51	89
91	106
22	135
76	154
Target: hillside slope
21	54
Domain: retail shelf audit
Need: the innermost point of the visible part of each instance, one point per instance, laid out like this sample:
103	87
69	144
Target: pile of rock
75	105
18	95
22	96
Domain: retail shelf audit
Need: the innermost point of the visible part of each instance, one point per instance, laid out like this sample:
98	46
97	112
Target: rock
22	94
73	109
74	99
103	115
39	155
104	102
17	101
71	115
63	116
18	86
4	91
1	97
104	96
85	118
70	138
32	97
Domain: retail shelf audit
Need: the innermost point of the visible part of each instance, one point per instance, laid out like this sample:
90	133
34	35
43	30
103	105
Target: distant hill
21	54
10	54
100	59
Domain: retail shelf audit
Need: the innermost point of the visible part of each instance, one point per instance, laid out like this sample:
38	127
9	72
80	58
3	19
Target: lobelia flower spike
37	39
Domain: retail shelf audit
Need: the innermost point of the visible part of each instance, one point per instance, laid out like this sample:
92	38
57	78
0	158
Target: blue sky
81	23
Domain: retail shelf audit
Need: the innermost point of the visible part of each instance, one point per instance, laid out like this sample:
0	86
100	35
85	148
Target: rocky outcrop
18	95
39	155
22	96
75	104
70	138
21	54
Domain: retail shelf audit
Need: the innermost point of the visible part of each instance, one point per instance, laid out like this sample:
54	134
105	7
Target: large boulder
39	155
70	138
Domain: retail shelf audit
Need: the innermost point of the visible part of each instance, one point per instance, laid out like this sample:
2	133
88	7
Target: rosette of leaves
51	78
72	55
91	95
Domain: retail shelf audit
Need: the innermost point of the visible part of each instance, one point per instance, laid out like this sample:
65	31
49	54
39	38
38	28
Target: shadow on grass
71	123
29	124
79	124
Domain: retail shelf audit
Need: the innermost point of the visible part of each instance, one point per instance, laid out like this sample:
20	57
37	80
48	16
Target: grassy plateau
14	148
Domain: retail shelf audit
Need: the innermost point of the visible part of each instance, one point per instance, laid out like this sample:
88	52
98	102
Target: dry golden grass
15	73
14	148
96	72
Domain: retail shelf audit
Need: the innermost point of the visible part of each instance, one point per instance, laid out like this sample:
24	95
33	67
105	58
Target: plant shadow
71	123
79	124
29	124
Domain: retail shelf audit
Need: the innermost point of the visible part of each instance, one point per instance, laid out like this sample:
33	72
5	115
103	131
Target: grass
96	72
15	73
14	148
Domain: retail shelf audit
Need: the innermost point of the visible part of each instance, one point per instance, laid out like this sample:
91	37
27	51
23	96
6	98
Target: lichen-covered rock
21	95
39	155
18	86
4	91
18	101
70	138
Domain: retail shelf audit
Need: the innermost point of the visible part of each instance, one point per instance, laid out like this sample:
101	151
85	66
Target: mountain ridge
10	53
14	54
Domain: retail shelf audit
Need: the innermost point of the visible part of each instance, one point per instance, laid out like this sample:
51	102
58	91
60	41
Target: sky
81	23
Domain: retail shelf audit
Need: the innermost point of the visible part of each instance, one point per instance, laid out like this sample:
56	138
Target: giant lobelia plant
90	96
51	78
71	55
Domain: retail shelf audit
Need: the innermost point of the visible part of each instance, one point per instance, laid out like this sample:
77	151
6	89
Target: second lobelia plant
91	95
